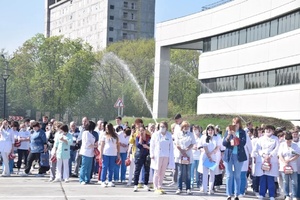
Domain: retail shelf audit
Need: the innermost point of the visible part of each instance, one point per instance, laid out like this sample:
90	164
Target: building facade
250	60
100	22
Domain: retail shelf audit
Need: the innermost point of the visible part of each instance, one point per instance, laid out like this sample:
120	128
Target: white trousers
62	165
5	170
205	179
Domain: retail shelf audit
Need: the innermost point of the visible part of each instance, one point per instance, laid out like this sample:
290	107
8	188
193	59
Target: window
111	17
133	6
132	16
110	39
125	37
125	15
125	25
125	4
112	7
111	28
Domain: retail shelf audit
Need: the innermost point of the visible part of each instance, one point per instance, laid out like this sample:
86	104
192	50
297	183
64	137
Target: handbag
44	159
11	156
127	162
118	161
266	166
53	159
17	143
185	160
235	141
288	169
221	165
96	152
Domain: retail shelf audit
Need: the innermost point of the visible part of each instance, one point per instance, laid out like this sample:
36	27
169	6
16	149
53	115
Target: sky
22	19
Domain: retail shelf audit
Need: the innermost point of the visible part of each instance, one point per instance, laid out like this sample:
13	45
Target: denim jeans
298	190
187	169
287	180
139	163
72	159
123	166
267	183
233	175
85	169
243	182
195	173
108	164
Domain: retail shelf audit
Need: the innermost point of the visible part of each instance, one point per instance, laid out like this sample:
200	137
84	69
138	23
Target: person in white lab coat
161	154
266	150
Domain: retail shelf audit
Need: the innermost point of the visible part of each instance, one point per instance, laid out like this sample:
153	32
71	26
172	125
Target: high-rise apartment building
100	22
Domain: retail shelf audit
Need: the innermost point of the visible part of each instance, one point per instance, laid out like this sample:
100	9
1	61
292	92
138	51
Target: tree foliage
64	76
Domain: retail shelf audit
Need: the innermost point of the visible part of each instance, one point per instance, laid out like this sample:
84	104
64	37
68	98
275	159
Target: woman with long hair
234	156
109	153
211	146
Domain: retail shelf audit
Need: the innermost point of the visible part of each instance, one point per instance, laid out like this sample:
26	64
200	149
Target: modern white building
250	61
100	22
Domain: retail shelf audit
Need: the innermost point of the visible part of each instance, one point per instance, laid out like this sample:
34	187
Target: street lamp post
5	76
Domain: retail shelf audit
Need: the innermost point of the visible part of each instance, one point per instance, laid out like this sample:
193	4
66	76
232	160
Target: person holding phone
234	156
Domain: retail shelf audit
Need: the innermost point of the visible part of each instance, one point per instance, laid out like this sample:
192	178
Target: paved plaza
31	187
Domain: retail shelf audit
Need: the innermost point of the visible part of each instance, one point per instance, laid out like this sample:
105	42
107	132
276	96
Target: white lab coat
267	145
155	150
248	151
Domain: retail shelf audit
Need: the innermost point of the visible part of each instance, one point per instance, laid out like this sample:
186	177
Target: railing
216	4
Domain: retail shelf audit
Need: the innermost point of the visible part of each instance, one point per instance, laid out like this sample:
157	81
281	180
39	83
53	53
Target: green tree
50	74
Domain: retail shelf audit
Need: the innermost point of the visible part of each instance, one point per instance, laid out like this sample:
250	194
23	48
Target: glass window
249	34
297	20
112	7
110	39
214	43
271	78
274	27
242	36
241	82
111	17
111	28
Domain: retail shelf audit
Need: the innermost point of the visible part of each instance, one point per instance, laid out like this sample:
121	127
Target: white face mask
163	130
23	129
196	132
269	134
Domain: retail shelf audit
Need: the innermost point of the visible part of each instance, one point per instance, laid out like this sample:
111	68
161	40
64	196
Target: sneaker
50	179
151	186
5	175
111	184
189	192
287	198
260	197
236	198
211	192
272	198
39	175
257	194
164	192
83	183
158	191
229	198
178	191
128	184
217	188
99	182
23	174
294	198
66	180
146	187
103	184
56	180
140	185
135	188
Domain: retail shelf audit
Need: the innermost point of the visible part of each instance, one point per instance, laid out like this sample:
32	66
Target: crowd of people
199	158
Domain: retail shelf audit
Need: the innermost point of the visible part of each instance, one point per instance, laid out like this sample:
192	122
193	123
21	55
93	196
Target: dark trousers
255	183
30	159
139	163
77	163
22	153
